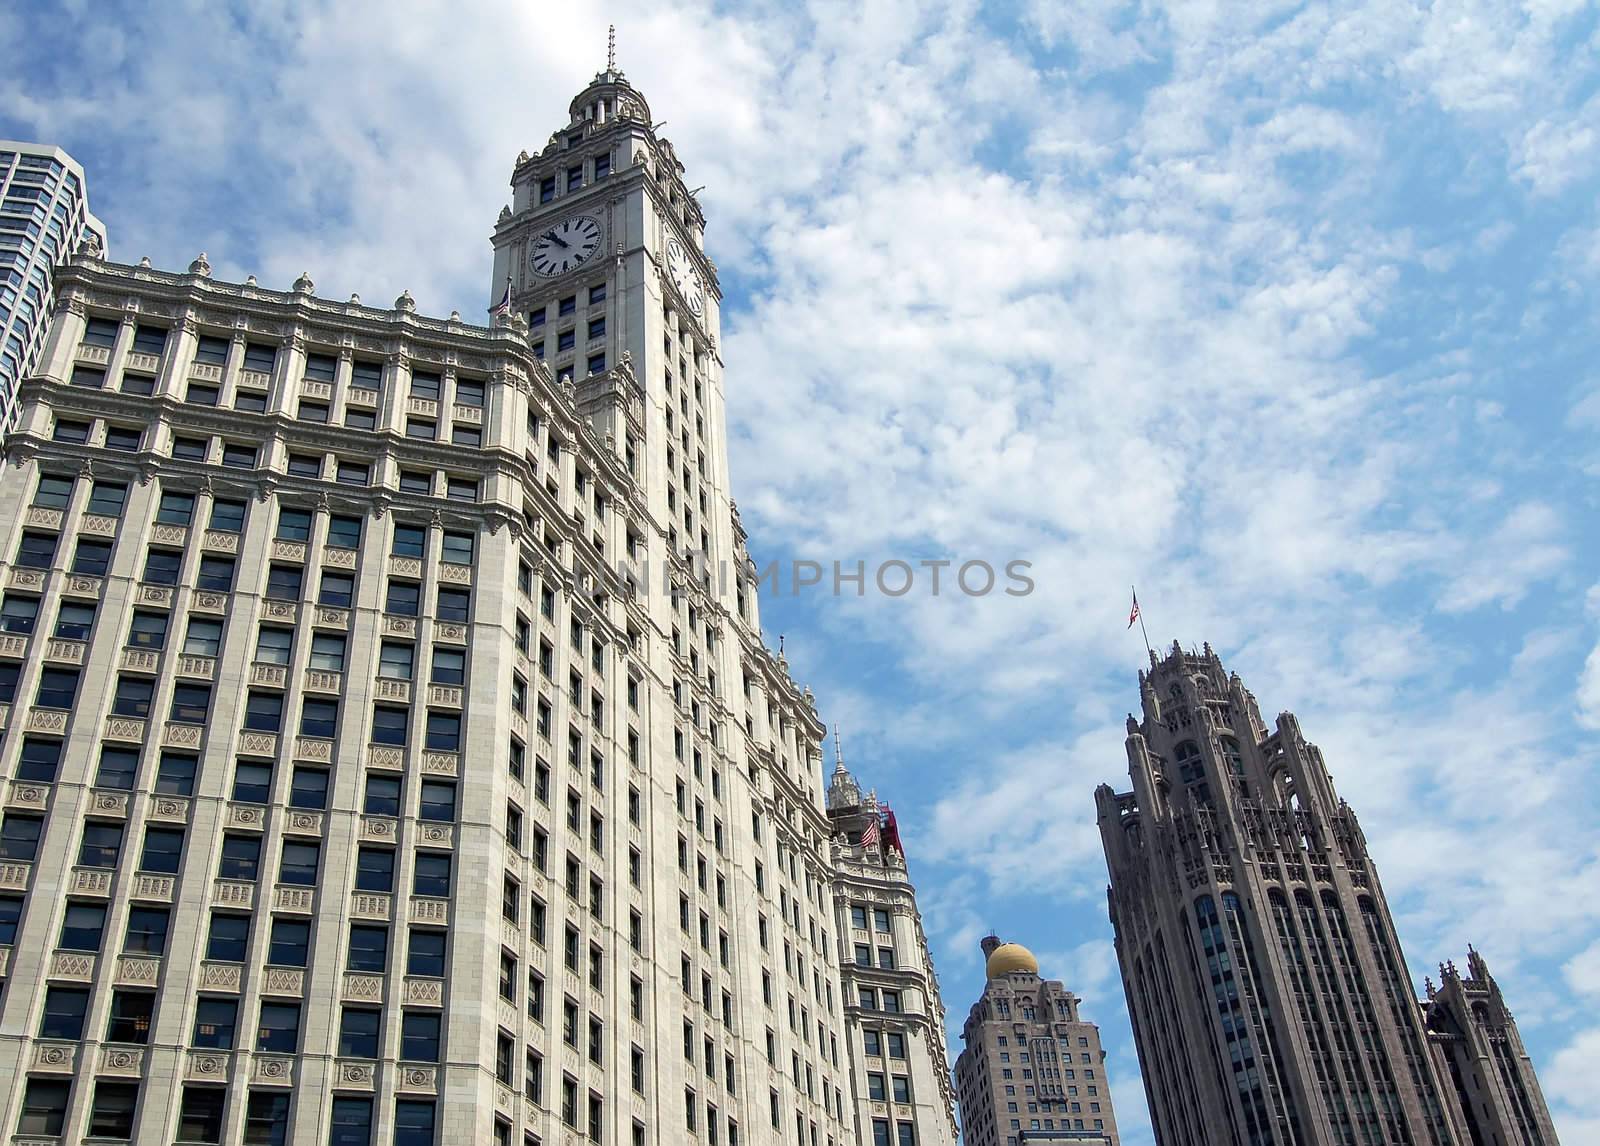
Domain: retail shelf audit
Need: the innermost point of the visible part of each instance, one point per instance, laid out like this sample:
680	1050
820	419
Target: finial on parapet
201	266
303	284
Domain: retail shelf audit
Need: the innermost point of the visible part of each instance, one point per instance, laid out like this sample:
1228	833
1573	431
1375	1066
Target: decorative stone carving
405	303
201	266
303	284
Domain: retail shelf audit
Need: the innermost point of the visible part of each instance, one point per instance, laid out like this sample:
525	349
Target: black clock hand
554	238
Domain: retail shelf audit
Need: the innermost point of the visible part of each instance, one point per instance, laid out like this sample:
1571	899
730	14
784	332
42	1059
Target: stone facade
1033	1069
894	1019
391	753
44	215
1267	989
1476	1044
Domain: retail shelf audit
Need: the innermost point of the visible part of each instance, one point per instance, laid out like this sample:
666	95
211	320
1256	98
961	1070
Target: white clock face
566	245
681	267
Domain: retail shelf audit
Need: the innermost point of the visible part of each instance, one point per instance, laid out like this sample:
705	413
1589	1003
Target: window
425	953
57	688
175	775
199	394
91	558
366	375
369	948
44	1107
458	548
191	449
425	385
101	845
390	726
228	939
305	465
212	351
252	781
547	189
266	1119
18	614
239	455
344	532
53	491
358	1033
64	1008
404	598
241	857
139	384
39	761
298	864
216	574
321	367
469	392
374	869
416	481
353	473
284	582
337	590
597	327
227	516
294	525
37	550
454	604
414	1122
327	652
308	788
396	660
419	1037
163	850
147	931
83	924
250	401
462	489
422	428
382	795
68	430
449	666
149	340
101	332
129	1021
264	710
319	718
107	498
461	435
203	637
10	913
190	703
351	1124
444	732
200	1116
566	340
259	358
148	631
431	875
438	801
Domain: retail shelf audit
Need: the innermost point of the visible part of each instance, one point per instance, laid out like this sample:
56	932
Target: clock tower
724	908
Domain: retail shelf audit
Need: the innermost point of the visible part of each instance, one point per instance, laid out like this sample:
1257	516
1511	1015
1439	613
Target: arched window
1190	765
1233	754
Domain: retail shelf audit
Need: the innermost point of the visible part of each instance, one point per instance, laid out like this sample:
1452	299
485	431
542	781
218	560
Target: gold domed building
1032	1069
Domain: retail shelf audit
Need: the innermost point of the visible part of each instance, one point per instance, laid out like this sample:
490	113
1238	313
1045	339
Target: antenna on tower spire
611	48
838	749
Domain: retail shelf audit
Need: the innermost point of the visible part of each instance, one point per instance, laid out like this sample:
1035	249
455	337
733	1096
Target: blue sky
1285	312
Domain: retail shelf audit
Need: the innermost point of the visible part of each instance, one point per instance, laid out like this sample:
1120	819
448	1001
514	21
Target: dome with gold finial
1011	958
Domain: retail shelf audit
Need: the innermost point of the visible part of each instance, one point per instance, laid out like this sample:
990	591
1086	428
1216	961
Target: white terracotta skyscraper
380	764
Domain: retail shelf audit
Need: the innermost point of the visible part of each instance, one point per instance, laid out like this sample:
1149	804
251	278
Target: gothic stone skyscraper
894	1019
1269	997
1033	1069
377	767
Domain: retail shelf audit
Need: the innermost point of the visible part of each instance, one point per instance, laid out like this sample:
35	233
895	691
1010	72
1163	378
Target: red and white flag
1134	616
869	834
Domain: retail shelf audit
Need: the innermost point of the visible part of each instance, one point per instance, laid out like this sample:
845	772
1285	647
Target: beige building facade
391	753
1032	1069
894	1018
1267	989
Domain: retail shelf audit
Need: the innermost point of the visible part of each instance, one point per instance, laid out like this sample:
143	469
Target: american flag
869	834
1134	616
504	305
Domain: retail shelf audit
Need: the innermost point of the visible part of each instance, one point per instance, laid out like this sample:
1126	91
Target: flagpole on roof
1137	615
